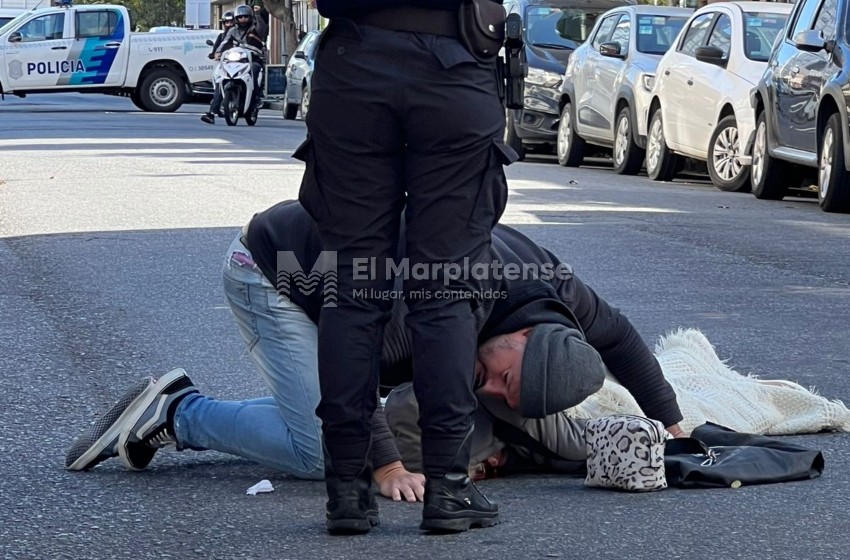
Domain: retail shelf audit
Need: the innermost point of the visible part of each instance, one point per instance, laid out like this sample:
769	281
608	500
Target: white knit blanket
708	390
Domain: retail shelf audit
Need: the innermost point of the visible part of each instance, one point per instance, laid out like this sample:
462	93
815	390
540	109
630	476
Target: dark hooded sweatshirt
561	299
343	8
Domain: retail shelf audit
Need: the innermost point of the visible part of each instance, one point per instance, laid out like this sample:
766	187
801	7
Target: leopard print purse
625	452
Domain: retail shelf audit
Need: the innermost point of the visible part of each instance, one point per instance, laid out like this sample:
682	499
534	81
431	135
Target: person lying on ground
562	325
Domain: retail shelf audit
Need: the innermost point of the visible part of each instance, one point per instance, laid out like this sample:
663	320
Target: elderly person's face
499	366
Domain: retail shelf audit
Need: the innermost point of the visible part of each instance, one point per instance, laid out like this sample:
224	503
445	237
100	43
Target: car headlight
543	78
234	56
648	81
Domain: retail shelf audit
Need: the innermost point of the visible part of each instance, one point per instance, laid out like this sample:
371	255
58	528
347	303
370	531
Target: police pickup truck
90	49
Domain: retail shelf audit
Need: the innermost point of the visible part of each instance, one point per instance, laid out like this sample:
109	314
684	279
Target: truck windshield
559	28
760	31
655	34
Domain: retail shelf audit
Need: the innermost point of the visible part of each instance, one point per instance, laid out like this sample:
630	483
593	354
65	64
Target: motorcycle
233	76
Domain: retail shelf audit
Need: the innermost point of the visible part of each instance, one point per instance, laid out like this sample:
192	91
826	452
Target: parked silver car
298	74
551	29
607	84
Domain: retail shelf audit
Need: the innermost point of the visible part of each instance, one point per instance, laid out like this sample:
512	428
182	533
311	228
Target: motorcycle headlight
543	78
234	57
648	81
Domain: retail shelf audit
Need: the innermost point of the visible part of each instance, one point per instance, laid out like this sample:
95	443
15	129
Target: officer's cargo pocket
493	192
310	194
450	52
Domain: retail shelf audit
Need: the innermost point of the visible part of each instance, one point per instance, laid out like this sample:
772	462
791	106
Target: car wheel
305	101
628	156
833	179
725	168
769	177
512	139
570	146
290	110
661	163
162	91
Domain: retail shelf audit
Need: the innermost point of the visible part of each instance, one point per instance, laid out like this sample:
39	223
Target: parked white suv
606	88
701	97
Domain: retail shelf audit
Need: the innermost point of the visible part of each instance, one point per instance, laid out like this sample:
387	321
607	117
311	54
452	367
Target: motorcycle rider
227	22
244	34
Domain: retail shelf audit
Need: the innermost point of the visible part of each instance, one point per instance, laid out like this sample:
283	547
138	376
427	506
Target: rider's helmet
227	18
244	16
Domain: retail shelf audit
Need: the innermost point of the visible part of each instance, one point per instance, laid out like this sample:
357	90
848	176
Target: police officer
403	119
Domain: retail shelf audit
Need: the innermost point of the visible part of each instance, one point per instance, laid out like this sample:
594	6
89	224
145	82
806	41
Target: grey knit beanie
559	370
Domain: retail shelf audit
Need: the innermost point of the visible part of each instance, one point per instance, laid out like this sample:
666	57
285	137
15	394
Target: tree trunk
282	9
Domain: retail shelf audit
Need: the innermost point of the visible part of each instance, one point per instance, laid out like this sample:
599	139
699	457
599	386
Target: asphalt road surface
113	227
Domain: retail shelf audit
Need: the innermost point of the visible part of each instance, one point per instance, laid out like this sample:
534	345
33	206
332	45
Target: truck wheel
230	102
833	179
661	163
724	157
134	97
512	139
290	111
769	177
162	91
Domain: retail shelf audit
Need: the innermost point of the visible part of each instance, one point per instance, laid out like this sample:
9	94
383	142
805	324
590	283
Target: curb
273	104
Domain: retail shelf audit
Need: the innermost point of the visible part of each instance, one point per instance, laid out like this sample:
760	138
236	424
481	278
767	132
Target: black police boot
352	508
452	502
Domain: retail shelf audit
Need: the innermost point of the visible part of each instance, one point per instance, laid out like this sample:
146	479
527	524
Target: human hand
676	431
488	468
395	482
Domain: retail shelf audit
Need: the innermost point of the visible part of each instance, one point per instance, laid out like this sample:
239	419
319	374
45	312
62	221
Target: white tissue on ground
260	487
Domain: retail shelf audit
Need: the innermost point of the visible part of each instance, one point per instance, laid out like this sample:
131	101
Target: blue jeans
280	431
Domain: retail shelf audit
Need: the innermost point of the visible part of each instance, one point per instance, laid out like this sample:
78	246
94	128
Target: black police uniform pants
401	122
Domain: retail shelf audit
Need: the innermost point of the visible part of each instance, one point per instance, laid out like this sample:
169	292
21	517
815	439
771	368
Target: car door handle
108	46
795	70
690	81
58	48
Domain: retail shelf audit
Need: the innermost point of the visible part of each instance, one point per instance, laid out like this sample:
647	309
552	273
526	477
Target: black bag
715	456
482	28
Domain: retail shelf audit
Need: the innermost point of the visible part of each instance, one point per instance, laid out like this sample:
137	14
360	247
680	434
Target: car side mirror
810	41
16	37
210	42
611	49
711	55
